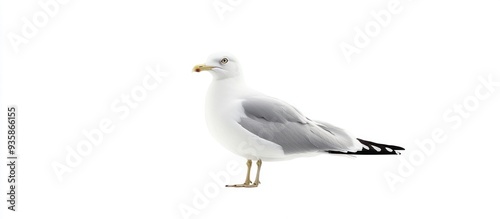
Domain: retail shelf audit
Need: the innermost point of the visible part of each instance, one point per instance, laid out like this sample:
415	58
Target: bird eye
223	61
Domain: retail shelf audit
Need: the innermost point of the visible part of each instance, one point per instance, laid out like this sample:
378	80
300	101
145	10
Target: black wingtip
378	144
371	144
373	148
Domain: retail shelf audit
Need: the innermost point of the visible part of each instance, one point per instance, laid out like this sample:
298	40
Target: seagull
262	128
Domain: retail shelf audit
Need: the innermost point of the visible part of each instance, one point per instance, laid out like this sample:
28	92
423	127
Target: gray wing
279	122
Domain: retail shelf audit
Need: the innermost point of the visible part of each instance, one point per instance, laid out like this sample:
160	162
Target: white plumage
258	127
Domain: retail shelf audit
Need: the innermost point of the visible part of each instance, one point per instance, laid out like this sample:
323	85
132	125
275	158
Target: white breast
223	111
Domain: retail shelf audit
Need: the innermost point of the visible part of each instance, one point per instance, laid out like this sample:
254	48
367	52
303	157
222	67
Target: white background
396	90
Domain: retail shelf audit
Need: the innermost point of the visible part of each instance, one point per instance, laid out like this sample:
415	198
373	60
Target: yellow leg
257	181
249	166
247	183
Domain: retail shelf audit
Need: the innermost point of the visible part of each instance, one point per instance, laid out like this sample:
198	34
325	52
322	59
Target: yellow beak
202	67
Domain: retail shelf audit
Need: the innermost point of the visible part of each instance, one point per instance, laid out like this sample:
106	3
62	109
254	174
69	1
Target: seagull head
221	65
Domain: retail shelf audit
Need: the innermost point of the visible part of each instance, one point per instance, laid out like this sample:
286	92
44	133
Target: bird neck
231	85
